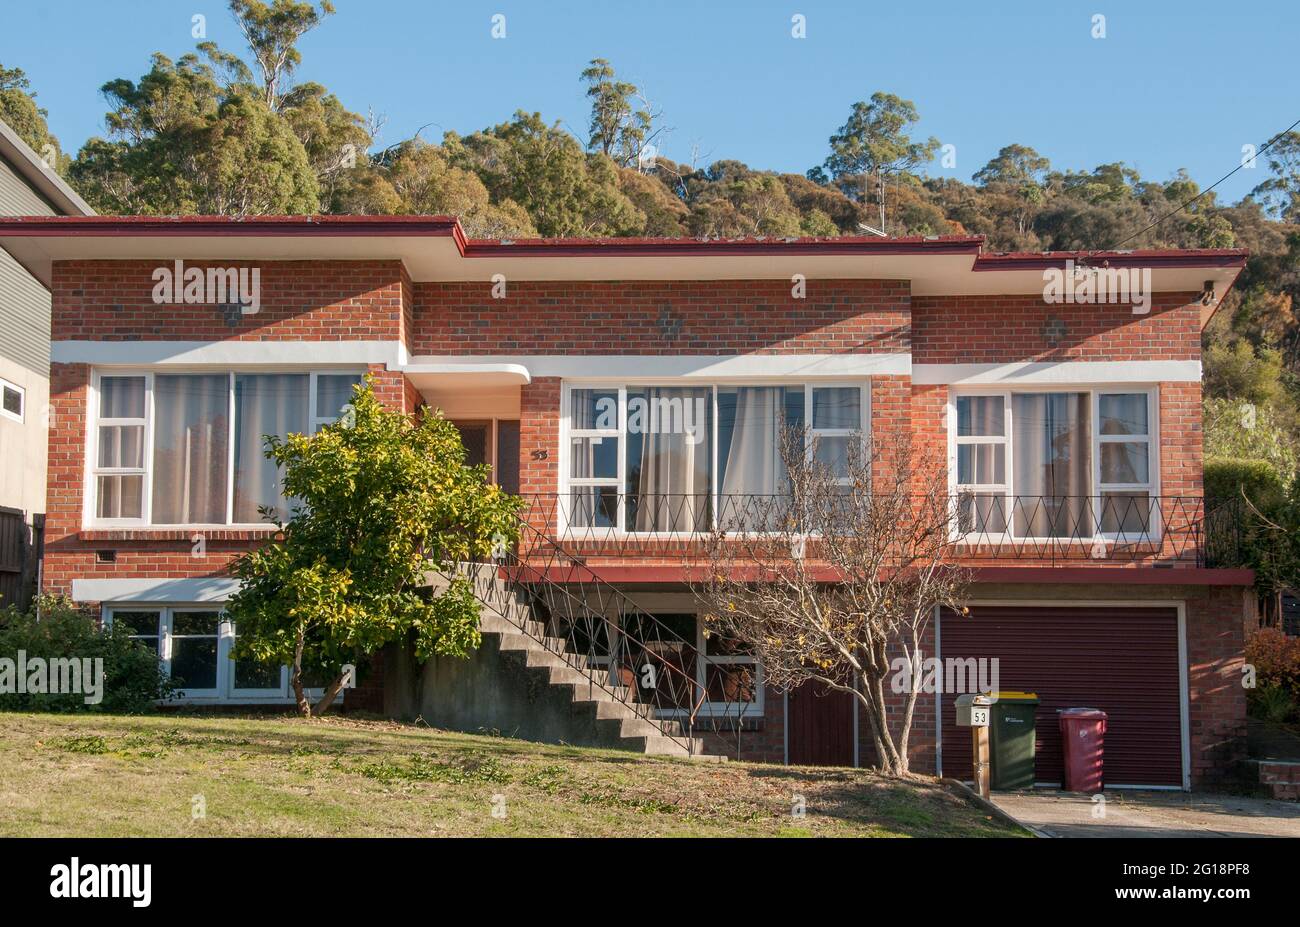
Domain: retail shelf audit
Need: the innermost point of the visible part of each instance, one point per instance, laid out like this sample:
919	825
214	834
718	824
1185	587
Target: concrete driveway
1150	814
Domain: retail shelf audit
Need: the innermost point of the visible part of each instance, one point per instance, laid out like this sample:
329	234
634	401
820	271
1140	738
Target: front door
496	443
820	726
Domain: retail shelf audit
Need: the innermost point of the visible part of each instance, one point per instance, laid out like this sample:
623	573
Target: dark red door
820	726
1121	660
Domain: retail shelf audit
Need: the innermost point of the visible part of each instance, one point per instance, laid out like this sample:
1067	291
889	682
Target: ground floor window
693	671
194	645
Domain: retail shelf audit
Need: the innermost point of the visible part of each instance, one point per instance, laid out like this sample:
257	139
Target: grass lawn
86	775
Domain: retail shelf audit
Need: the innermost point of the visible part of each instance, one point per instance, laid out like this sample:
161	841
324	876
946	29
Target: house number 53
539	455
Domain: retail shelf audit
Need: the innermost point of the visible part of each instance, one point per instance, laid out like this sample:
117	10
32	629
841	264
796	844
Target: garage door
1121	660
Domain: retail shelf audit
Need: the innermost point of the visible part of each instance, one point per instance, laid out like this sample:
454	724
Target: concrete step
517	631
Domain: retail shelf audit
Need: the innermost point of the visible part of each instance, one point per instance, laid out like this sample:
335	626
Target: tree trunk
880	195
295	676
889	759
331	693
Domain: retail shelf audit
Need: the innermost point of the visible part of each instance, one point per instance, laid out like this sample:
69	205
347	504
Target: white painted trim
1072	372
1184	695
518	372
197	590
229	353
713	367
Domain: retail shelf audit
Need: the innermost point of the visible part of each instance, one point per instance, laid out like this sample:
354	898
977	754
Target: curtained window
687	458
189	449
1067	465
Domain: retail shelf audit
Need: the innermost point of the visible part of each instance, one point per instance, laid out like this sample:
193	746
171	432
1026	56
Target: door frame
1184	700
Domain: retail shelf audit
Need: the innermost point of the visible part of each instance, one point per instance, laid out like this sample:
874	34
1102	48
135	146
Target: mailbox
973	710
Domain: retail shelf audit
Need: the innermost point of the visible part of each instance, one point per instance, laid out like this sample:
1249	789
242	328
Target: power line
1174	212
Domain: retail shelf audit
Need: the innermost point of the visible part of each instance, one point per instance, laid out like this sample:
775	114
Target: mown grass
82	775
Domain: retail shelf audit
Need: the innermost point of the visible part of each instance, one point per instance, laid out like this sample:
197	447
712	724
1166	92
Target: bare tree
834	579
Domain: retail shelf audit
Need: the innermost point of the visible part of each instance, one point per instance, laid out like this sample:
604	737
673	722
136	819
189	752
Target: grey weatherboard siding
24	303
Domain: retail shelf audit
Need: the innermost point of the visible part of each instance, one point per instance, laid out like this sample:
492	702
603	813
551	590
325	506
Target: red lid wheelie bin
1083	733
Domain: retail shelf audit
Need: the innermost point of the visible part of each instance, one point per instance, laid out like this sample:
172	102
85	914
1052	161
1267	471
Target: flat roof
436	249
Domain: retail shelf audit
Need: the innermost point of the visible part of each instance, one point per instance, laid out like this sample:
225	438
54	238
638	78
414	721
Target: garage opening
1123	660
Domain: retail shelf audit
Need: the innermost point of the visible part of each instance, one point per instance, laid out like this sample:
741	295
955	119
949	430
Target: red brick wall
1006	329
1217	700
648	317
301	301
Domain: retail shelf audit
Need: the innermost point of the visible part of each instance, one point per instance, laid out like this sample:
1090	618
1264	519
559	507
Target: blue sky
1173	84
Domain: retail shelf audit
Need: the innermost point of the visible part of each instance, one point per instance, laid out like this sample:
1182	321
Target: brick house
1072	430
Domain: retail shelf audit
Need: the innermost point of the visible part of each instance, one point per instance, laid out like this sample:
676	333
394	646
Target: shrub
1227	477
132	681
1276	658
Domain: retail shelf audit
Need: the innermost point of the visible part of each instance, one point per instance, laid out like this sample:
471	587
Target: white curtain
1053	464
189	449
674	474
265	404
753	472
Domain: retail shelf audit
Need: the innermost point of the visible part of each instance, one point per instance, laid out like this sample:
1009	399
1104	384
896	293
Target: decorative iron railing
599	523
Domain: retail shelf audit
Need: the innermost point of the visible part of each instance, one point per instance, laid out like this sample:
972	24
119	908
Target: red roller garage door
1121	660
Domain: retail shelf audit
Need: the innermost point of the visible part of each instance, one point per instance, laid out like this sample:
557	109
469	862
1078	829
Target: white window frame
22	401
565	484
225	690
93	421
1097	488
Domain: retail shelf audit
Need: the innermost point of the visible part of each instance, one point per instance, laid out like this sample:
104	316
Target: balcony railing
599	524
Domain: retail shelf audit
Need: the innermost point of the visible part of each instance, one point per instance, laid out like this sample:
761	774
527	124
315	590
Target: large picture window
194	645
1062	465
188	448
684	458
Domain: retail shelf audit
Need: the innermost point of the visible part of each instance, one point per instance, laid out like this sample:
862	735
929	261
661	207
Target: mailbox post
973	712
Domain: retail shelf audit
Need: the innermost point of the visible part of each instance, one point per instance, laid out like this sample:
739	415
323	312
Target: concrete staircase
601	712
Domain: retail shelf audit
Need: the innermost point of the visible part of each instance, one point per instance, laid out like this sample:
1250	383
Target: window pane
981	415
669	459
121	446
835	453
1124	462
1053	451
194	662
190	436
594	457
837	407
731	682
142	625
1124	414
13	401
121	397
1125	513
593	507
752	421
593	409
982	513
120	497
265	404
984	464
333	392
196	622
252	675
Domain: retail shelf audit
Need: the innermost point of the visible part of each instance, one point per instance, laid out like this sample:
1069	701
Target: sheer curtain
1053	464
752	470
673	479
265	404
189	449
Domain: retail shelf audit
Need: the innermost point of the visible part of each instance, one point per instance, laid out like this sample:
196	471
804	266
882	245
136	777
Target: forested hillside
218	132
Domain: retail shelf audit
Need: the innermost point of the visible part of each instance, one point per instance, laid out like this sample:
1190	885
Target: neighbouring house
1072	430
28	187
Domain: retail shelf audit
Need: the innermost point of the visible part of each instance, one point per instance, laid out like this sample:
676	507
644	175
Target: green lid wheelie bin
1011	740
